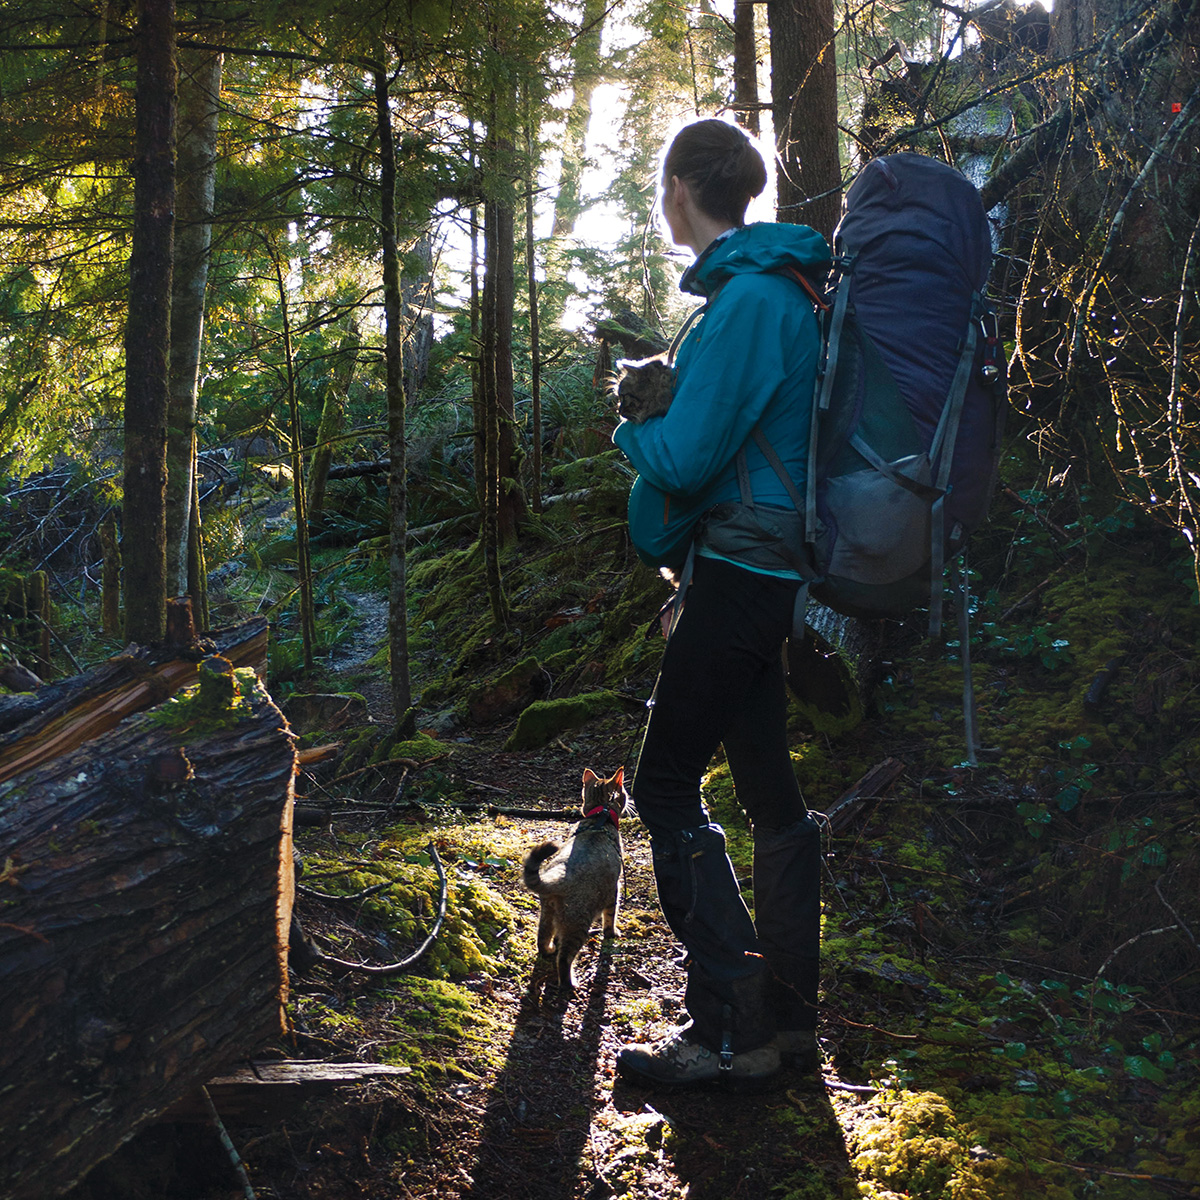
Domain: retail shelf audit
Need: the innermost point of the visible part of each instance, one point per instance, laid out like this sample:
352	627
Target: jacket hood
764	246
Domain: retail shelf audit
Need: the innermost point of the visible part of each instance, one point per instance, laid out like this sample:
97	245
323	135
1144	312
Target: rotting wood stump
145	898
832	672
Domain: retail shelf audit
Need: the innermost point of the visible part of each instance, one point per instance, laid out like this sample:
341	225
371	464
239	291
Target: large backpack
910	402
908	409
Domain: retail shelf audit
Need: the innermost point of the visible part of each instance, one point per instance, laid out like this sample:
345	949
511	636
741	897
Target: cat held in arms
581	879
644	387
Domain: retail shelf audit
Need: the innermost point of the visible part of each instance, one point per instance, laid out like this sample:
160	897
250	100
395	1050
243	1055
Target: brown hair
720	164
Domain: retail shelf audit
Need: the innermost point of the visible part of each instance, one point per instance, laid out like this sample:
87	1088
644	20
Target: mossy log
38	728
833	671
148	884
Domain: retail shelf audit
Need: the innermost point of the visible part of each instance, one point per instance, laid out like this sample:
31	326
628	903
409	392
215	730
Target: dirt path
545	1118
536	1113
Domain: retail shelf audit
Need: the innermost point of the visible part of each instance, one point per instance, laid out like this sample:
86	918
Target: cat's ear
619	777
589	776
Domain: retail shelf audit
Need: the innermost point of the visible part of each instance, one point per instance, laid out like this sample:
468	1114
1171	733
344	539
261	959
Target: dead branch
398	968
870	787
411	763
227	1145
1137	937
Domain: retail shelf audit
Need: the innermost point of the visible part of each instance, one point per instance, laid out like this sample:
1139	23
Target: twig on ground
370	891
230	1148
398	968
411	763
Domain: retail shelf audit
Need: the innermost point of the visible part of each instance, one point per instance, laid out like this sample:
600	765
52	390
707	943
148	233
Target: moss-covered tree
147	330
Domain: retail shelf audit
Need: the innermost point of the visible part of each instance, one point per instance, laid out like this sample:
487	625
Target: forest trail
535	1112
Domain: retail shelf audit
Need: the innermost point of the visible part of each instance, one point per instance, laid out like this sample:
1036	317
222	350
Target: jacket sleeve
732	365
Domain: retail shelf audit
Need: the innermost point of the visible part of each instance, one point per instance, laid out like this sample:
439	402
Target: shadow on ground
535	1143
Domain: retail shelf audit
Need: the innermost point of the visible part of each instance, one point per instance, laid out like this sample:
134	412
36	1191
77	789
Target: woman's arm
731	366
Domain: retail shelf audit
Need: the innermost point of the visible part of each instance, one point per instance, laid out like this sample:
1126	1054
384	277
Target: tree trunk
745	65
397	449
38	590
333	413
199	93
489	420
585	74
501	280
147	330
197	568
145	936
308	620
110	577
804	110
416	306
535	353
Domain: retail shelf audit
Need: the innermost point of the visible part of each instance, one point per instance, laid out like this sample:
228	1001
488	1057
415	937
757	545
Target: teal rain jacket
749	360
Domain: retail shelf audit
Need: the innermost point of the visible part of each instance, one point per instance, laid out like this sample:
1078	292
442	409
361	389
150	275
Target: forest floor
1005	1011
538	1113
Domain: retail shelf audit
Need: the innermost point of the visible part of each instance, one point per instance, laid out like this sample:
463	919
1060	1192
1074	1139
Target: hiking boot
798	1049
679	1062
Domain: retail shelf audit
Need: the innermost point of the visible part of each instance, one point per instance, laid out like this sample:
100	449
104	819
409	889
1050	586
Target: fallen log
265	1089
148	884
870	787
61	716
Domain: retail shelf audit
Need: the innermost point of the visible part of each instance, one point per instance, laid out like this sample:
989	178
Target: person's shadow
723	1146
535	1139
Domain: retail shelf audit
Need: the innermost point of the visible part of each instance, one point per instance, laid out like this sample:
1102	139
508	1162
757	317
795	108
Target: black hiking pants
722	682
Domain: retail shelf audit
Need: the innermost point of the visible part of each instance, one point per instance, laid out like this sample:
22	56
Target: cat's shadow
536	1134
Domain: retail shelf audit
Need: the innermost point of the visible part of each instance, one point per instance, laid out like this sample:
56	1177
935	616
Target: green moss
915	1144
197	710
375	745
544	720
1178	1155
476	913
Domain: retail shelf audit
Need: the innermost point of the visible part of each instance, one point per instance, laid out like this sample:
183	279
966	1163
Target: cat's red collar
611	813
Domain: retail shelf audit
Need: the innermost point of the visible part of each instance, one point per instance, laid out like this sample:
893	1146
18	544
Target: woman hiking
745	369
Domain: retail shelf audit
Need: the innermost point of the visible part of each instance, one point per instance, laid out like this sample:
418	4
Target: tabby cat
643	387
581	879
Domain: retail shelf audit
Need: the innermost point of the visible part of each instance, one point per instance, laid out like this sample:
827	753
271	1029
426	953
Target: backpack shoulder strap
677	340
768	452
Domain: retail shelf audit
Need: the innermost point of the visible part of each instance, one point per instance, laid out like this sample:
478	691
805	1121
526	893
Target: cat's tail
533	864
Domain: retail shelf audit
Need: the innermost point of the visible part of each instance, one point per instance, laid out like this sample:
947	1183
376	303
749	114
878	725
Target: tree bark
144	943
333	412
199	94
804	110
110	576
585	74
147	330
490	422
396	401
535	351
63	715
500	292
745	65
416	306
308	620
